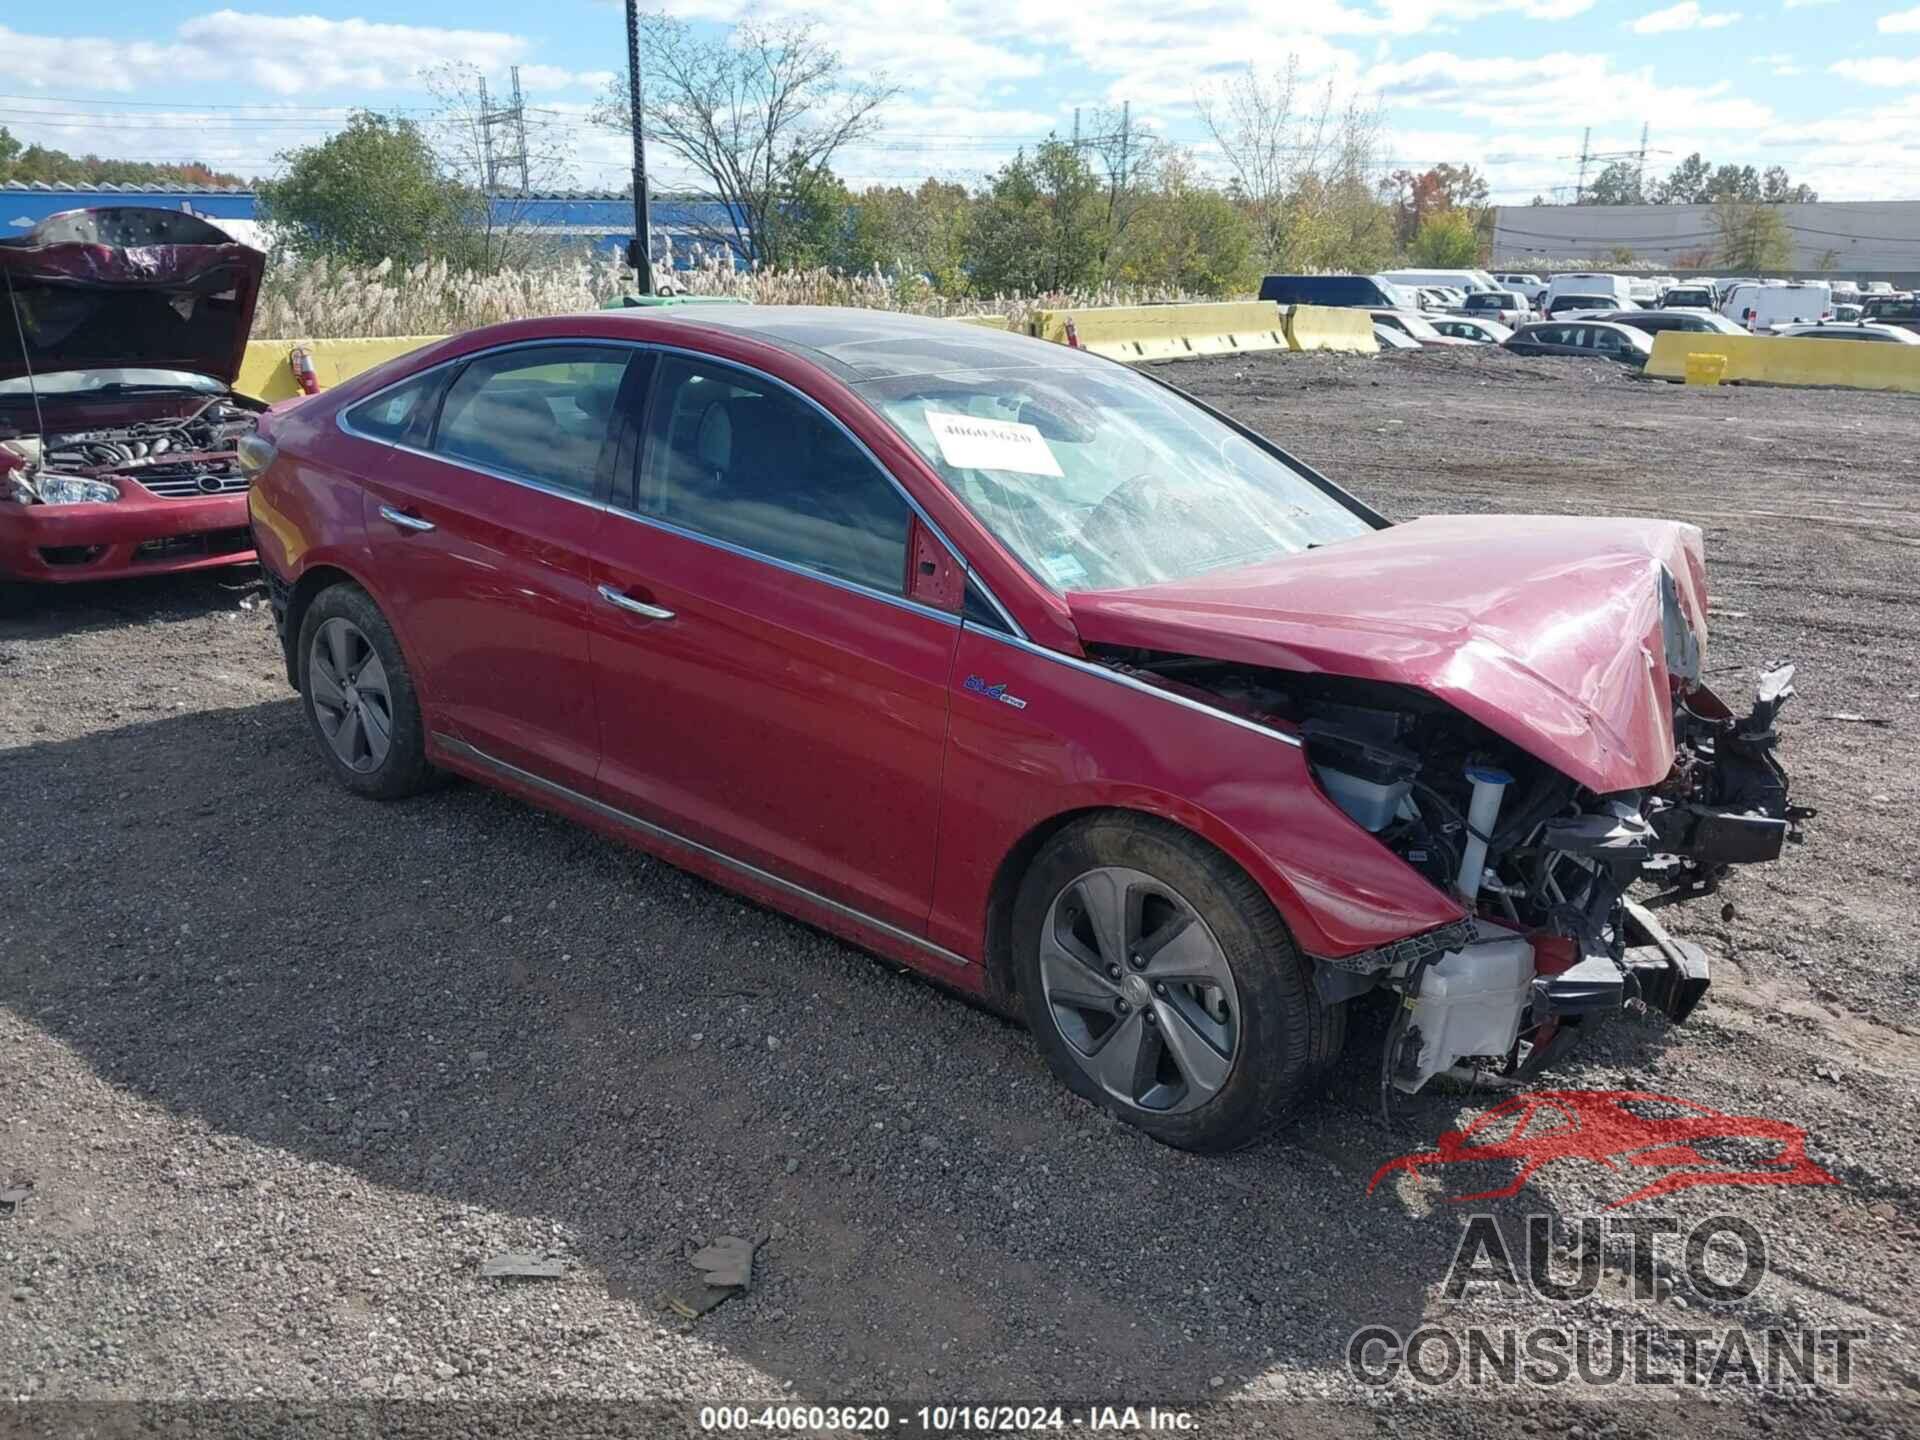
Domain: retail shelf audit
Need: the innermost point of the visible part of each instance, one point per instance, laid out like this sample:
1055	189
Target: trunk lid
1545	629
127	287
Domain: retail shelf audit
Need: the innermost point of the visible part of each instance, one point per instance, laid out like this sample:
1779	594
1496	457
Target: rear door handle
404	520
637	607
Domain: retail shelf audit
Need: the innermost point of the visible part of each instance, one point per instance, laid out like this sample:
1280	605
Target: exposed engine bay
184	457
1542	865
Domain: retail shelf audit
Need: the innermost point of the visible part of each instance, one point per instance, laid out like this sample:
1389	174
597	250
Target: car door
480	535
766	687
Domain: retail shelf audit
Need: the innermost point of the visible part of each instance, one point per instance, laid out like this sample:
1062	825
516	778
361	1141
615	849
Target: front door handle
404	520
637	607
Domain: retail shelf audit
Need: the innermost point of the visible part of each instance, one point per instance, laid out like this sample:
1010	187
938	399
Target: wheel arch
997	950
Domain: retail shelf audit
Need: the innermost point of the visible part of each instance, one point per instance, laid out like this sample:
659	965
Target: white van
1590	283
1801	302
1471	281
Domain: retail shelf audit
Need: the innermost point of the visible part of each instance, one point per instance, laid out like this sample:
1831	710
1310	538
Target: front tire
359	696
1161	984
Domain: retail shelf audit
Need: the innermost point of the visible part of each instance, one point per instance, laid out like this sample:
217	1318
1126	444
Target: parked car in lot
1022	669
1415	326
1389	337
1573	303
1583	337
1530	287
121	333
1469	328
1617	288
1688	297
1859	330
1655	322
1900	310
1504	306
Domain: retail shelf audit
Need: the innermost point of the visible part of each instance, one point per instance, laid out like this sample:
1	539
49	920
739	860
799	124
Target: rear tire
1220	1034
359	698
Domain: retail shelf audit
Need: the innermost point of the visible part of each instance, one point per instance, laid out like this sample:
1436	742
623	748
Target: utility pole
486	139
1586	147
640	253
1076	129
520	129
1126	138
1640	175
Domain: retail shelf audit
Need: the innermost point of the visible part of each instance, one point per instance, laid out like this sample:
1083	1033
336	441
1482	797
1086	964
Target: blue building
591	217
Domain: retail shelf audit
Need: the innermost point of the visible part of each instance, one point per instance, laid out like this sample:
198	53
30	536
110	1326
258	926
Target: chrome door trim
638	607
659	832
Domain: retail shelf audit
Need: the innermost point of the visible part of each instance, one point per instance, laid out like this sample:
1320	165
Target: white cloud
1882	71
554	77
1904	22
1687	15
284	55
1806	4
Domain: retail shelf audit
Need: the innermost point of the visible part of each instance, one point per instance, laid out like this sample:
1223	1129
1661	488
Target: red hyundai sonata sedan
1022	668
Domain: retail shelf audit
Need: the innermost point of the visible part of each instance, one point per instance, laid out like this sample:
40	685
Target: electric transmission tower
512	119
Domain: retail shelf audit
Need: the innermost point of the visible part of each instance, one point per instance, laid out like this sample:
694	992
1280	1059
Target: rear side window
735	457
541	414
402	413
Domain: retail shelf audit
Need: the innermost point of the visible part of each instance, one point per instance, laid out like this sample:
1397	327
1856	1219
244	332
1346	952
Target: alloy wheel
351	698
1140	990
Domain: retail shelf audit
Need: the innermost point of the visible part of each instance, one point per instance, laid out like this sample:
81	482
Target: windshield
78	382
1101	480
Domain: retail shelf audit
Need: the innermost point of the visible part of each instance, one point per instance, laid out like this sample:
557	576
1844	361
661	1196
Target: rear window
1893	310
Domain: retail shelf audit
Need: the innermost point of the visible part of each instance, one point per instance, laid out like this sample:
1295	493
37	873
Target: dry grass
319	299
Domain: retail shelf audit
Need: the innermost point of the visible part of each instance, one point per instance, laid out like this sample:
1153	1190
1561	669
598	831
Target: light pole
640	252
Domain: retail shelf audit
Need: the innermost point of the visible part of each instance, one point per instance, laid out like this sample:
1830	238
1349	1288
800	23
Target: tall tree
1308	170
1444	187
1617	184
1186	236
374	191
749	110
1686	183
1753	236
1041	225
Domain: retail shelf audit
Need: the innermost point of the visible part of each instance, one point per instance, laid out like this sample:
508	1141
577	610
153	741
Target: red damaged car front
121	440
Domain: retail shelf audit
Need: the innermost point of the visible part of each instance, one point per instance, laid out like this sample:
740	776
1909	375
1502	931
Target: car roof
859	345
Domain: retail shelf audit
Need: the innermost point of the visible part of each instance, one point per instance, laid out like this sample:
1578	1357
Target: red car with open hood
1022	668
121	441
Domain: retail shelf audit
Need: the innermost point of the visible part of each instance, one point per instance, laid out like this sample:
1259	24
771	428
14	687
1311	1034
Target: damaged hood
1548	630
126	287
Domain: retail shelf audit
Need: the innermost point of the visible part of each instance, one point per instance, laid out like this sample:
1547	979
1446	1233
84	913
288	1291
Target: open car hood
1548	630
127	287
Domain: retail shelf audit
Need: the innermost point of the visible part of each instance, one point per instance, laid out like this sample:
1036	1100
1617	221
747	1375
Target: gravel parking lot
283	1067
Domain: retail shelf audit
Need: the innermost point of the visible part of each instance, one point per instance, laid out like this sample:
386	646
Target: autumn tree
1041	225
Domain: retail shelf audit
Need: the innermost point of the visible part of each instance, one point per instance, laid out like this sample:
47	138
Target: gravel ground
283	1067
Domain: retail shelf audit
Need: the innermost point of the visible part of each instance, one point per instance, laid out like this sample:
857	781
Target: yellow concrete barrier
1783	360
266	373
1325	327
1167	332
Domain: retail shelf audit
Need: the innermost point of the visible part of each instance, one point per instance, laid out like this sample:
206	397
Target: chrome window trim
660	832
1074	662
607	507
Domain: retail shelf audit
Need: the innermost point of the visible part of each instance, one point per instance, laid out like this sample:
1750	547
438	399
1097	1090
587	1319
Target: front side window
735	457
1098	478
542	413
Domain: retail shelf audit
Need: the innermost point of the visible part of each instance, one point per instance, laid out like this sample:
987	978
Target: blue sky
1828	88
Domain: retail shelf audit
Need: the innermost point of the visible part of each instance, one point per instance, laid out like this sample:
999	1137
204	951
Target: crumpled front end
1588	759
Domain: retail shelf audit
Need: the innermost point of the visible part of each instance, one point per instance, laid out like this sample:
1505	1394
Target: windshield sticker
1063	569
970	443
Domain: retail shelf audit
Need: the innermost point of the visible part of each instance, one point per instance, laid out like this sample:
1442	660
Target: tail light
255	454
